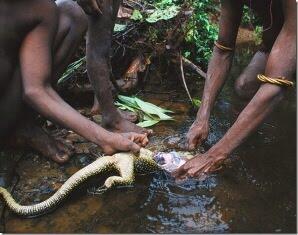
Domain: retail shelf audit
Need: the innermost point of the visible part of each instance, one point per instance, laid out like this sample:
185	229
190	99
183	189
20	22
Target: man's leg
71	30
98	50
247	84
73	25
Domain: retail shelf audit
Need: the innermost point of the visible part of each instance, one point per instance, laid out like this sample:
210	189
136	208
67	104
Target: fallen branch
192	66
183	78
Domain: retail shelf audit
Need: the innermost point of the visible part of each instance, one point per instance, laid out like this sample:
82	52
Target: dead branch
183	78
194	67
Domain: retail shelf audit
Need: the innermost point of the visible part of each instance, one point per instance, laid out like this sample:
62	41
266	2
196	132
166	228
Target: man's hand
200	165
126	142
91	7
139	139
197	133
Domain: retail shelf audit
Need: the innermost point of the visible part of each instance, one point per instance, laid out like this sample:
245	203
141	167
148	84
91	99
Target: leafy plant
148	113
164	10
249	19
202	33
163	14
258	31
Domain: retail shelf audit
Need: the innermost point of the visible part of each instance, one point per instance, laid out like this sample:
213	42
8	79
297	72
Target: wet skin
37	41
274	62
101	21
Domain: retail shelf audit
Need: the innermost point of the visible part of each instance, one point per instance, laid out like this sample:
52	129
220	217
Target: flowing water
254	192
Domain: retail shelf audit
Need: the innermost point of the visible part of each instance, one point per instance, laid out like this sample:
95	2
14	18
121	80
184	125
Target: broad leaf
152	109
153	106
119	27
148	123
128	101
136	15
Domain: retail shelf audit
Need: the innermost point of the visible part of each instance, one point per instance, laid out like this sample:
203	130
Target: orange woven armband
280	81
222	47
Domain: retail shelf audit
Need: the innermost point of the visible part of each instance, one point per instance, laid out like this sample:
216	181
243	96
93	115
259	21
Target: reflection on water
255	192
185	208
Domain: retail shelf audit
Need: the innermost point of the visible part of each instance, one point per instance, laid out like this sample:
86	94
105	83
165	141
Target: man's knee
244	87
241	88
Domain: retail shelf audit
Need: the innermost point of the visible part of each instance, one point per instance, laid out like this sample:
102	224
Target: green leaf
128	101
119	27
152	109
148	114
147	123
126	107
196	102
71	69
153	106
136	15
147	117
163	14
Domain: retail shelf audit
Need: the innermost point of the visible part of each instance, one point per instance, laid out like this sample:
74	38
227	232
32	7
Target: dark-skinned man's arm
280	64
218	69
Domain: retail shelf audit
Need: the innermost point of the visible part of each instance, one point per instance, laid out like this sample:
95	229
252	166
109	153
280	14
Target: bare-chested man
37	40
277	59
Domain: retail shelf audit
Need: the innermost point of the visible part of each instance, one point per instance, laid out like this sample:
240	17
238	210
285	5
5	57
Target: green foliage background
203	32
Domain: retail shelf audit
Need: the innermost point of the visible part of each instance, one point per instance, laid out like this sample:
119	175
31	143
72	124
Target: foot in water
122	125
36	138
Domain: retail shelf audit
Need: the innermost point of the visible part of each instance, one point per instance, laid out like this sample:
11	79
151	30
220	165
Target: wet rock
83	148
82	160
175	142
75	138
71	170
45	188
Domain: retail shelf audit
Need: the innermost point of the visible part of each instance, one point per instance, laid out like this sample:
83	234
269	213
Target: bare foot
122	126
37	139
129	116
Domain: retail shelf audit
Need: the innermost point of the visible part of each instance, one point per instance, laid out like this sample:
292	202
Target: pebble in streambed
178	142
